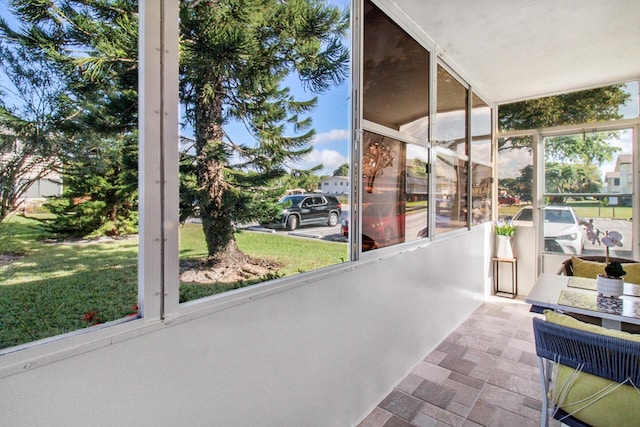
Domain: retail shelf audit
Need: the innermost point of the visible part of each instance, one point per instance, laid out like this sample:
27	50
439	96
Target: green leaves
578	107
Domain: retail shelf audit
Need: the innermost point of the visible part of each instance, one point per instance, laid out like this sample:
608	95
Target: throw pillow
583	268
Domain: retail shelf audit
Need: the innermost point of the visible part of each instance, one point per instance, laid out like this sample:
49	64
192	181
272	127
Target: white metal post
158	158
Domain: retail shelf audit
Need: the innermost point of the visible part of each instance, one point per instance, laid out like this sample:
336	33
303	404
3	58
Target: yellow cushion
583	268
591	269
633	272
618	407
564	320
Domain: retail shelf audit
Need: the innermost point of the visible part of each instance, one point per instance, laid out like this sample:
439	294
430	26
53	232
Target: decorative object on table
611	283
591	301
504	232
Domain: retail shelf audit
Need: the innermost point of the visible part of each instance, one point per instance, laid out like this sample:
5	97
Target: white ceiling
518	49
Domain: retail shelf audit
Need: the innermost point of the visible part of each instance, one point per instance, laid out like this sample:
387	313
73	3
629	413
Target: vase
610	286
503	247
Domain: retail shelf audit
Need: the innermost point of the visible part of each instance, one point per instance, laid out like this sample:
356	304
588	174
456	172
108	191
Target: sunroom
324	347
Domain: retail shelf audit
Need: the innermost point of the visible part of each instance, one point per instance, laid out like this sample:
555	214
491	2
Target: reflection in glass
480	131
395	200
382	162
451	121
395	76
416	192
451	193
481	194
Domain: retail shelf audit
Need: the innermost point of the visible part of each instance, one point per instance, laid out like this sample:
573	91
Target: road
308	231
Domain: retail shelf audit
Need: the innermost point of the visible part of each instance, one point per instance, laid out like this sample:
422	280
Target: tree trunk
211	160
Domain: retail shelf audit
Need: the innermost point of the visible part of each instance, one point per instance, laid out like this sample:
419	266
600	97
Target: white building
621	179
335	185
40	181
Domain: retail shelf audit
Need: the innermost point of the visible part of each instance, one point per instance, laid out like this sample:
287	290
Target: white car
563	232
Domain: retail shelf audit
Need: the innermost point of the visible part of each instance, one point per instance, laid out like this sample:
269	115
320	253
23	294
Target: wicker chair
608	357
567	267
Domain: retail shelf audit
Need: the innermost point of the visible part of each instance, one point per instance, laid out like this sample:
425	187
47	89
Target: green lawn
48	288
584	209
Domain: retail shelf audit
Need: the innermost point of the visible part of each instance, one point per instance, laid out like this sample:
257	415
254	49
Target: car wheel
292	222
388	234
333	219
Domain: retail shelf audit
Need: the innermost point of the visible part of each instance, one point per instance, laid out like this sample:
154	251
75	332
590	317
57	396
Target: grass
48	289
296	255
584	209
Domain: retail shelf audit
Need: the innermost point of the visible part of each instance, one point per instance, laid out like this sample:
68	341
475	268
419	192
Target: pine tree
93	45
236	54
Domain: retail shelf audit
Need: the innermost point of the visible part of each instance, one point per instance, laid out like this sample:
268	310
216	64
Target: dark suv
303	209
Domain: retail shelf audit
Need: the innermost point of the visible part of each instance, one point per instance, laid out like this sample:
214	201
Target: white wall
321	353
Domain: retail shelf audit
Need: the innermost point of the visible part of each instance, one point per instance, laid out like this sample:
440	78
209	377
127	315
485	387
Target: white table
548	288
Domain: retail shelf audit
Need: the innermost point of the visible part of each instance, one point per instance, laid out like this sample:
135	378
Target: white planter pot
503	247
610	286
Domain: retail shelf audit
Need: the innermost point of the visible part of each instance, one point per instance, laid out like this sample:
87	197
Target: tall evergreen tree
236	55
94	44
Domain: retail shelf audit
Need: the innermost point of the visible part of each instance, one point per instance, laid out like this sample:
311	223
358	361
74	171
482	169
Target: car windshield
524	215
560	216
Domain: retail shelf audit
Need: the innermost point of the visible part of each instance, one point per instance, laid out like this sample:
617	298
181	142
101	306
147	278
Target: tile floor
484	374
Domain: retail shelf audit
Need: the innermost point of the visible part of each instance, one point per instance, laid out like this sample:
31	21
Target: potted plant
611	282
504	231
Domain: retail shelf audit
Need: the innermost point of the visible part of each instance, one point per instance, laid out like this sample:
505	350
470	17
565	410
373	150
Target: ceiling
517	49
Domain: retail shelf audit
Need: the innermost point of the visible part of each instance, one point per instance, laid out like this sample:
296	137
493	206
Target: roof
623	159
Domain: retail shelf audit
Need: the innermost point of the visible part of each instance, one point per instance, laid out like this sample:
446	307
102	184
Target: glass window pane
480	131
395	76
251	152
416	193
481	194
382	204
69	214
451	120
588	192
451	193
395	201
515	174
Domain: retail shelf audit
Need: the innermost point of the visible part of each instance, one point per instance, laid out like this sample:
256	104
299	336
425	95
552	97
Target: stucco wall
319	354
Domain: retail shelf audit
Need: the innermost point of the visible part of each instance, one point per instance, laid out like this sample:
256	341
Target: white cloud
332	135
330	159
